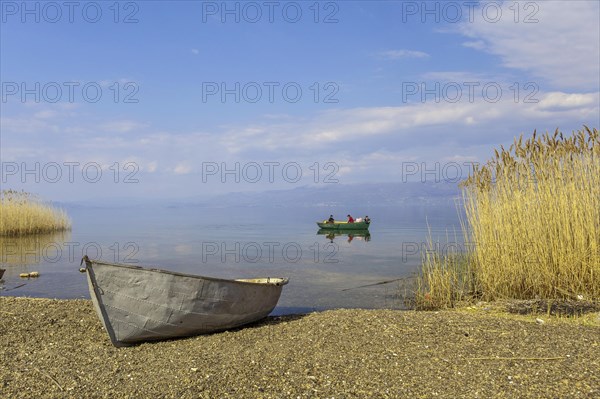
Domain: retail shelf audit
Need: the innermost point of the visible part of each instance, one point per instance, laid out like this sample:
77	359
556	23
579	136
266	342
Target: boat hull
137	304
343	226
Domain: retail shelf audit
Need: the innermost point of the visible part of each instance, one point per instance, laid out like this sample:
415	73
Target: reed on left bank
23	213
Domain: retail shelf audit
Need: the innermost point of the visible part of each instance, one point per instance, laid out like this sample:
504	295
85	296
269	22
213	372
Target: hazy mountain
371	194
333	195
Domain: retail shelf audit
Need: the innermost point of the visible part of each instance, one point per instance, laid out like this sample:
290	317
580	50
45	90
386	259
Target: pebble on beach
58	348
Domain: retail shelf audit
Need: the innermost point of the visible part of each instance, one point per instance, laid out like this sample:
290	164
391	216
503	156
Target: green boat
343	225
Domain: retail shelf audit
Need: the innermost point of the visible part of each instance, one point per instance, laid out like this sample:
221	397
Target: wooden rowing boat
343	225
138	304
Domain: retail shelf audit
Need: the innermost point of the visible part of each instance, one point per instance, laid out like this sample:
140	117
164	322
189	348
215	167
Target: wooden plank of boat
343	225
137	304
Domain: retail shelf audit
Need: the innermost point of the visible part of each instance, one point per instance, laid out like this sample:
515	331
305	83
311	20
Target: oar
14	288
379	283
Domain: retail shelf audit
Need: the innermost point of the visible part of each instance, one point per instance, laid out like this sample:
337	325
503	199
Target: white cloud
37	117
460	158
182	169
556	100
122	126
562	47
26	125
151	166
195	51
476	44
45	114
318	135
398	54
343	126
366	142
458	76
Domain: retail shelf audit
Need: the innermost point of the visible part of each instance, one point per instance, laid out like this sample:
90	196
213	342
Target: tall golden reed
533	221
22	213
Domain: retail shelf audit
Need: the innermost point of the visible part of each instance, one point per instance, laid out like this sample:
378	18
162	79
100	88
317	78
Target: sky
180	99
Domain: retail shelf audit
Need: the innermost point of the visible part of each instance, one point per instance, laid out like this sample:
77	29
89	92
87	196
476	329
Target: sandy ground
57	348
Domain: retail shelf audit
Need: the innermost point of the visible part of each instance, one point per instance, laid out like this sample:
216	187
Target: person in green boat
350	219
367	220
331	219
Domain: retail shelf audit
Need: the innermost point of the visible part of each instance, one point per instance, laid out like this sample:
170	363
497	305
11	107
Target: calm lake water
325	272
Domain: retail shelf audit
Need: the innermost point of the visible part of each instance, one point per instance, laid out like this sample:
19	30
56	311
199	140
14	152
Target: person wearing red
350	219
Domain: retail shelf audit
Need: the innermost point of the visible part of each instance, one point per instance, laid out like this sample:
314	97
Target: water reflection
348	235
33	249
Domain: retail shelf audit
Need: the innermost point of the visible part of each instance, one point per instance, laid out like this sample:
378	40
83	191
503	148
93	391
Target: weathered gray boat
137	304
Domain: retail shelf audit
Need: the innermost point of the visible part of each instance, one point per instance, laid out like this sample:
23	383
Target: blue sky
379	83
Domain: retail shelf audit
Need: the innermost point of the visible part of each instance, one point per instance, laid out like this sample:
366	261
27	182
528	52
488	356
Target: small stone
539	321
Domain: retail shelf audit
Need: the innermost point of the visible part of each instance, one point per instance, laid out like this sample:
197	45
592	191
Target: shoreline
55	348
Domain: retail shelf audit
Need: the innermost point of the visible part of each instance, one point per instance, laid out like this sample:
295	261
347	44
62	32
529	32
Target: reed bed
533	221
22	213
443	281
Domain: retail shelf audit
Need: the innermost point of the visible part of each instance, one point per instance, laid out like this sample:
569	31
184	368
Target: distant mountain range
332	195
336	195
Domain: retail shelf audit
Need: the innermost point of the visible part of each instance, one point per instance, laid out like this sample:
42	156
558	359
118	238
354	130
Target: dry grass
533	215
22	213
444	280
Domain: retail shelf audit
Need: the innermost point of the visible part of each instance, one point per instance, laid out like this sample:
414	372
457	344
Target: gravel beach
57	348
